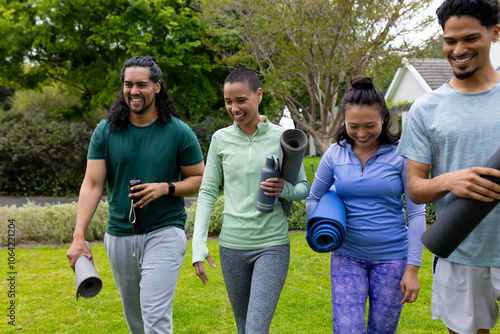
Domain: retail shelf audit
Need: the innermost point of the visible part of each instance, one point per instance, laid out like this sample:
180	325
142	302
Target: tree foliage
84	44
307	50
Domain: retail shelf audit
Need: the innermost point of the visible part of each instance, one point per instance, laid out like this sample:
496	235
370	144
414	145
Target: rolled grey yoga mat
88	283
459	219
293	144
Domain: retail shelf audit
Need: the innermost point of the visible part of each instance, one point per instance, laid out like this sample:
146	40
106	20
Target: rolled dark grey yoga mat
87	280
459	219
293	145
325	229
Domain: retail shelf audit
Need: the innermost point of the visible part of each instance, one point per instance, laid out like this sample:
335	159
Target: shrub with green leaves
205	129
298	218
51	224
296	221
215	218
41	155
430	213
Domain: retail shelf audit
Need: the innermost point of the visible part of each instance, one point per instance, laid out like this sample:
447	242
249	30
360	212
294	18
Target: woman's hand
273	186
410	286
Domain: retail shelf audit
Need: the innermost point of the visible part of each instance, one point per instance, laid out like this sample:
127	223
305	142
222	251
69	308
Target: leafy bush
205	129
430	213
52	224
49	99
298	218
6	97
56	100
41	155
296	221
215	218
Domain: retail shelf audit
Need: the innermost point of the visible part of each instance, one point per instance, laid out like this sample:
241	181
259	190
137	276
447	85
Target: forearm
416	227
423	191
412	271
88	201
188	186
297	192
206	200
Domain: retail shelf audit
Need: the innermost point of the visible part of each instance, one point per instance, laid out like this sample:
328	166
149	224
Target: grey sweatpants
145	268
254	280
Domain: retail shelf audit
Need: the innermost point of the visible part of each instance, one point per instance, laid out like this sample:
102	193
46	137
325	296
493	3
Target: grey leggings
254	280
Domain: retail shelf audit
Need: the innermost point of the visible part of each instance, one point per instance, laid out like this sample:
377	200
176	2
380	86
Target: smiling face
139	90
363	125
242	104
466	45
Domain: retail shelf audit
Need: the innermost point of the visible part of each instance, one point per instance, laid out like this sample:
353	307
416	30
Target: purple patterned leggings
353	281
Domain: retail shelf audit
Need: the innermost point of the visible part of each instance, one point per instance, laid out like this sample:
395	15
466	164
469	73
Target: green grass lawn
310	164
45	296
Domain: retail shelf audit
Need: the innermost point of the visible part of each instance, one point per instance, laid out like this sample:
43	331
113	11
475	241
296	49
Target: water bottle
265	203
136	215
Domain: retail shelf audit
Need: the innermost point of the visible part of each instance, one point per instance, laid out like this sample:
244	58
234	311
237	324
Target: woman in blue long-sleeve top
381	253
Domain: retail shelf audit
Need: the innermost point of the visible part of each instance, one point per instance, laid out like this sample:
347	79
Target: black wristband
171	189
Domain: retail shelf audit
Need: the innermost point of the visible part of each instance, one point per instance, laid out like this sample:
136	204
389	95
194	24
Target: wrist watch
171	189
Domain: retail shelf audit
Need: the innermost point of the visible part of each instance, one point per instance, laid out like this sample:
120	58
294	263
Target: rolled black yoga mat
88	283
325	229
293	144
459	219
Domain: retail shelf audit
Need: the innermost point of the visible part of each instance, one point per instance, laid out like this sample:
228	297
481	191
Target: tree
84	44
306	50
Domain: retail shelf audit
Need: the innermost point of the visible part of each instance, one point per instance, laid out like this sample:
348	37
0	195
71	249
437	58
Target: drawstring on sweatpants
140	250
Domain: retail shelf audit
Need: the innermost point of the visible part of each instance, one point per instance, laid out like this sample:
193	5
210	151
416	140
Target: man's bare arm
88	200
465	183
188	186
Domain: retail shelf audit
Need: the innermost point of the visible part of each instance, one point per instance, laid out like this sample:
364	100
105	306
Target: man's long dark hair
119	111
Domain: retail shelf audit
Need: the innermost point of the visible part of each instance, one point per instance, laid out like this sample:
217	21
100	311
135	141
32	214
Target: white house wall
408	89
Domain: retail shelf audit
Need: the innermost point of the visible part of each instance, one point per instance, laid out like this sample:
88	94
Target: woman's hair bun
362	83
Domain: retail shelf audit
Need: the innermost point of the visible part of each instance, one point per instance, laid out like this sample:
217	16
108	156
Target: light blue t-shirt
450	130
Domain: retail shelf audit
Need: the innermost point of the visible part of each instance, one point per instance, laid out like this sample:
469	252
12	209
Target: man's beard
465	75
141	111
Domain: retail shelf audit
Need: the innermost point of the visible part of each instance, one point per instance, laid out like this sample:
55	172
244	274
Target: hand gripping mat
325	230
459	219
88	283
293	144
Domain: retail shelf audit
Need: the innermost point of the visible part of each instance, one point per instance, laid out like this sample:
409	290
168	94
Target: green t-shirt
152	154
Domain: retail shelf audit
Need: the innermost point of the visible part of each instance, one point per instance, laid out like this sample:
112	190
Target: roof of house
418	77
435	72
421	76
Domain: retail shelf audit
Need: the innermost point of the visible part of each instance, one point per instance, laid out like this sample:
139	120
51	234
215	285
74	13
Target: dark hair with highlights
244	75
486	11
119	111
364	93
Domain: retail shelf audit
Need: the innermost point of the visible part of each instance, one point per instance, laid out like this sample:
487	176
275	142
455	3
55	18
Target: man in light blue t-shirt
450	132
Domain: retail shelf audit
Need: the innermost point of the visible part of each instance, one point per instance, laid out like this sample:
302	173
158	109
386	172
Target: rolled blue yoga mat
293	145
459	219
325	230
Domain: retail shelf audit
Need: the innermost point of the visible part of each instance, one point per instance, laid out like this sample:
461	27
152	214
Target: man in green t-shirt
144	138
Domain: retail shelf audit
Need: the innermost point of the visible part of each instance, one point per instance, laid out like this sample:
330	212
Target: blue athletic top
376	227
